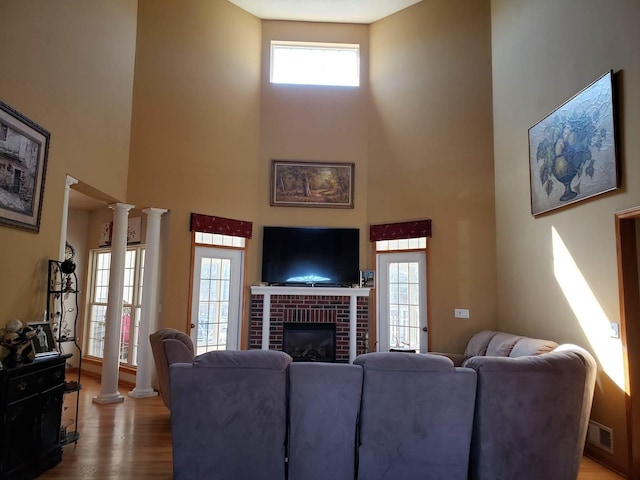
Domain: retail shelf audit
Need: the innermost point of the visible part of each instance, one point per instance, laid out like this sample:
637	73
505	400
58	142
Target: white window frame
315	63
384	248
216	244
132	302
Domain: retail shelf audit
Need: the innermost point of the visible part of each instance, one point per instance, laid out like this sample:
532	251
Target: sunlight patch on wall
588	311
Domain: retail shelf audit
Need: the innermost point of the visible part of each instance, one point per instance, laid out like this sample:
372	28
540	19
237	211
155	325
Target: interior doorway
628	244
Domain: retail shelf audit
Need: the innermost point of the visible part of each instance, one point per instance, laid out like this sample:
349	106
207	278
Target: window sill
96	361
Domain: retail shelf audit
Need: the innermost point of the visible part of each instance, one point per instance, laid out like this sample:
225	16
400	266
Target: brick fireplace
347	308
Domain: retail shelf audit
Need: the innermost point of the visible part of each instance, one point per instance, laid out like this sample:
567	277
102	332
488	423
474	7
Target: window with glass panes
132	301
404	287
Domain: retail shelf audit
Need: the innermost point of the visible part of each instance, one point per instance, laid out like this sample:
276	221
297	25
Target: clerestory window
306	63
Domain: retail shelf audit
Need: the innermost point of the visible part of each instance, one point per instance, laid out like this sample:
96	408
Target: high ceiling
338	11
333	11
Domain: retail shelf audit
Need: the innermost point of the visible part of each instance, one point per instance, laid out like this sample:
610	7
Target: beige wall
310	123
206	124
195	125
67	65
77	233
430	152
544	53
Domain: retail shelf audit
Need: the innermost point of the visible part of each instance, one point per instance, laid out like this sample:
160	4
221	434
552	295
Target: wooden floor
132	440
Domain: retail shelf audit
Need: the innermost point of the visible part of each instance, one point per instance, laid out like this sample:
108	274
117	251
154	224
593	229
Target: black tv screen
304	255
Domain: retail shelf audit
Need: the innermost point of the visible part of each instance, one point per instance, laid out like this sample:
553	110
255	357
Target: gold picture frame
311	184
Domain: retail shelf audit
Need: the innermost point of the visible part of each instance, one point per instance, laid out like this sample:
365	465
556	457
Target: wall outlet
461	313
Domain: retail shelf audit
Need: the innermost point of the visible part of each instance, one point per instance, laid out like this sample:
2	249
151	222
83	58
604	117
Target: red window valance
224	226
396	231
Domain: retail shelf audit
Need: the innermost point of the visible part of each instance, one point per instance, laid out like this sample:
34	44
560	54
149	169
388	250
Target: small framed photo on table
367	279
43	343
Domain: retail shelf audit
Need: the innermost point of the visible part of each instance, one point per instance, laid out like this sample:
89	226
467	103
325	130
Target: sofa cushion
324	403
531	346
416	417
478	343
501	344
229	415
176	351
169	346
406	362
261	359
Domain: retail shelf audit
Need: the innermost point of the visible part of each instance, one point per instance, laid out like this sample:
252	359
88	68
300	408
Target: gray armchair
169	346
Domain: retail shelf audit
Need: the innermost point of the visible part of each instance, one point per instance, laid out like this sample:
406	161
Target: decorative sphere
14	325
68	267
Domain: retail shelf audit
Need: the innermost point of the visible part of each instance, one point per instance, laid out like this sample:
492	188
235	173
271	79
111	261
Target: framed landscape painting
24	146
311	184
572	151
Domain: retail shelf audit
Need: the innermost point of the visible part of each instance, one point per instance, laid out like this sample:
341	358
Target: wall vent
600	436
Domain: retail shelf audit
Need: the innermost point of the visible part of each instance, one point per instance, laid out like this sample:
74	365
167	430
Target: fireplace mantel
315	291
268	291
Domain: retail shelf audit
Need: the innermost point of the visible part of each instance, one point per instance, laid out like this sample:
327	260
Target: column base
143	393
104	399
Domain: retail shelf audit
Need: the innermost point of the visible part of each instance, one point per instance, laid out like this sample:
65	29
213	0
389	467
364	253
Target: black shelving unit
62	314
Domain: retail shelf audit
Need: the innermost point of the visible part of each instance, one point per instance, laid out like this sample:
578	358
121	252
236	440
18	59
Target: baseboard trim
603	459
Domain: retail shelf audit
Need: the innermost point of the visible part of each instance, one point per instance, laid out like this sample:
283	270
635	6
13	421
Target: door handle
424	329
193	325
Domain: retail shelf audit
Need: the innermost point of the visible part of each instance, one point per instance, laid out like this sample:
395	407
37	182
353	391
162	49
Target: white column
266	320
65	216
149	307
353	324
113	321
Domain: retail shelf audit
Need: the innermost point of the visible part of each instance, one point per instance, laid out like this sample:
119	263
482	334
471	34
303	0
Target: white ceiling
338	11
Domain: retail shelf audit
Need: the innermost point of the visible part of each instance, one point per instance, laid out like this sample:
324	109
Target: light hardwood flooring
132	440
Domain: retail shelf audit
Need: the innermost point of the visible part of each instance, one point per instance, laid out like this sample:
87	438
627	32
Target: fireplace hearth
310	342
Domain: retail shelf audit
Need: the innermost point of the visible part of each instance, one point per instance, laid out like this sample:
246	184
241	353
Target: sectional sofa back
229	415
416	417
324	407
248	414
169	346
501	344
253	414
531	414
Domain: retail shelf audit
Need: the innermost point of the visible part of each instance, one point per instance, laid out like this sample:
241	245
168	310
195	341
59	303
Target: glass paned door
216	299
402	313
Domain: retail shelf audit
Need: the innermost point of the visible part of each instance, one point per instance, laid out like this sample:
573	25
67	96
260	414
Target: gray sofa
255	415
169	346
500	344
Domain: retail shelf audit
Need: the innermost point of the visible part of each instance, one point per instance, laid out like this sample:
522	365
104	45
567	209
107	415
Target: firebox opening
310	342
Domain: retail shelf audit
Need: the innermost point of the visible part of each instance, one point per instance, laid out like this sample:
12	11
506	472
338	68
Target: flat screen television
310	256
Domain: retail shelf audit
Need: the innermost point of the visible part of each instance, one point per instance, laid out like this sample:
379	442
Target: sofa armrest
539	397
456	358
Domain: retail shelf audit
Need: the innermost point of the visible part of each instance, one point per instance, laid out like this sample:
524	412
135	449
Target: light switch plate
615	330
461	313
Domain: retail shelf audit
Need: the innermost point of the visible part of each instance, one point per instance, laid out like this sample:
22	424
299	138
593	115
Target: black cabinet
31	399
